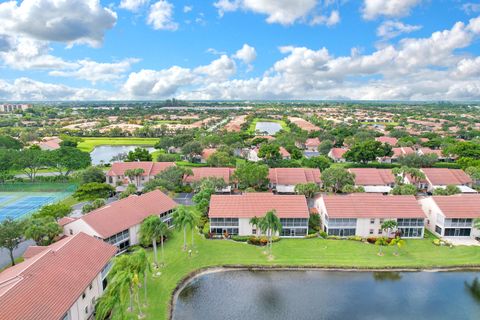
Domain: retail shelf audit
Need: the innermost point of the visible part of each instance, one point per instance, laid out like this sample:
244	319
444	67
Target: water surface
305	295
104	154
270	127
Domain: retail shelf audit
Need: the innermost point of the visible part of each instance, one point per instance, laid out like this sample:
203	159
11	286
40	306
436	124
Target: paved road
5	255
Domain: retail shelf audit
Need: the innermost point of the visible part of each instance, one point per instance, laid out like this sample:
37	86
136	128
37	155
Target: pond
303	295
270	127
104	154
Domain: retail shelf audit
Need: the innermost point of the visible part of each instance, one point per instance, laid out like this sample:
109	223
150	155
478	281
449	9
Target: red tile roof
200	173
48	284
372	176
397	152
438	152
293	176
459	206
312	143
284	152
206	153
337	153
149	168
445	176
63	221
388	140
123	214
32	251
363	205
249	205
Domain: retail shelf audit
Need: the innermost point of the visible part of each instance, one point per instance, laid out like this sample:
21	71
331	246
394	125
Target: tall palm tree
151	229
135	174
140	265
182	218
121	276
270	224
398	243
192	220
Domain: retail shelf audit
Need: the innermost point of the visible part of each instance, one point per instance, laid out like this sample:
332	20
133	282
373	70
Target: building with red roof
284	180
303	124
374	180
116	175
231	214
206	153
397	153
452	216
443	177
388	140
336	154
205	172
312	144
60	281
285	154
438	152
362	214
118	223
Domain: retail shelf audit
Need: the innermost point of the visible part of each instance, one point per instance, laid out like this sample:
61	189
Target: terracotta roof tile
388	140
459	206
293	176
445	176
149	168
372	176
200	173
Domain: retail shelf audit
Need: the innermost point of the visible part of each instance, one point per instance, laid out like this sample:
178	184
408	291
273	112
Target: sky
239	50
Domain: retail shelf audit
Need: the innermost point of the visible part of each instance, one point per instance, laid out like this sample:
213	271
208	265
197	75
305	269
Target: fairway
17	205
88	144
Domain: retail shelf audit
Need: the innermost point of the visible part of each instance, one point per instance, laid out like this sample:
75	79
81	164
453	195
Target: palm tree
140	265
151	229
380	243
134	174
255	221
192	221
182	218
121	276
270	224
398	243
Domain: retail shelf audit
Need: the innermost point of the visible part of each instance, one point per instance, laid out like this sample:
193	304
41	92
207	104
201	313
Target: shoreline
226	268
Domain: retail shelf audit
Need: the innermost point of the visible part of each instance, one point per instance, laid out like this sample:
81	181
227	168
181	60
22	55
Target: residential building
362	214
397	153
336	154
231	214
9	108
60	281
312	144
204	172
388	140
206	153
374	180
118	223
438	152
285	154
452	216
116	175
50	143
442	177
284	180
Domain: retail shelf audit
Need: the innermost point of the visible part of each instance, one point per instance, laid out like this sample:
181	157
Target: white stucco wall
78	226
77	310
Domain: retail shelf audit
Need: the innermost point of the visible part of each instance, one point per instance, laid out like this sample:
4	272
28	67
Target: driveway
462	242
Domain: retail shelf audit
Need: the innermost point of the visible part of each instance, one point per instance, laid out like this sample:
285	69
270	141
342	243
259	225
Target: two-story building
205	172
362	214
118	223
117	178
374	180
452	216
284	180
61	281
443	177
230	214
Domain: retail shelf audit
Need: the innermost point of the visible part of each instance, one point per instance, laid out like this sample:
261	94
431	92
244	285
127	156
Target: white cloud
389	8
285	12
71	22
160	16
331	20
467	68
133	5
218	70
97	72
391	29
187	9
471	8
246	54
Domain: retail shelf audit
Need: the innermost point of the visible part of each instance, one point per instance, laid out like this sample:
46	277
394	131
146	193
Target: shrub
260	241
311	236
334	238
263	241
240	238
206	229
372	240
323	234
355	238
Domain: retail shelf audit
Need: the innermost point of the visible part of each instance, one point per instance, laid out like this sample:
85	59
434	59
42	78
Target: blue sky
292	49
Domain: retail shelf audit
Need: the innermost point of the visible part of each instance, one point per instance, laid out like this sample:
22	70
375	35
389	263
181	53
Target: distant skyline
240	49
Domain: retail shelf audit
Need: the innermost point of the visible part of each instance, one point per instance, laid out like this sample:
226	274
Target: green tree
140	265
255	222
67	159
97	203
270	224
447	191
398	243
389	226
320	162
30	161
184	217
42	230
251	175
307	189
7	142
314	222
55	211
474	173
92	191
335	178
11	232
192	149
220	159
134	175
152	229
368	150
139	154
325	147
405	189
129	190
204	190
468	149
170	179
91	174
381	242
414	160
269	151
6	163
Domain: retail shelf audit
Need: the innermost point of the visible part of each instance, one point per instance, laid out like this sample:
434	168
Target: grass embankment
38	187
251	129
88	144
293	252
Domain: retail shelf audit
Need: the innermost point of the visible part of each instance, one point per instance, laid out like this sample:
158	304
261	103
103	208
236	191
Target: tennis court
20	204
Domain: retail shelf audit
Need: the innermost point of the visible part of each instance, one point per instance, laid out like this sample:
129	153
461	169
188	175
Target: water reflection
474	289
387	276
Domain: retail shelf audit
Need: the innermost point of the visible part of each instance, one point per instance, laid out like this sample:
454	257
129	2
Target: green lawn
88	144
293	252
251	128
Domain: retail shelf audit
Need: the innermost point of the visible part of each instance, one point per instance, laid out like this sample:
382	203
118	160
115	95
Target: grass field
293	252
88	144
253	124
37	187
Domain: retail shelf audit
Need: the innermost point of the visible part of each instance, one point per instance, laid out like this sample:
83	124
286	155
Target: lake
270	127
305	295
103	154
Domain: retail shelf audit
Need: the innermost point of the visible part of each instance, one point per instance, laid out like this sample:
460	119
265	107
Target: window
90	287
371	231
438	230
86	310
254	231
372	221
381	221
83	295
71	232
380	231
